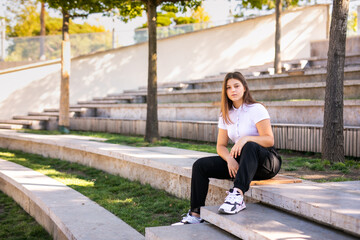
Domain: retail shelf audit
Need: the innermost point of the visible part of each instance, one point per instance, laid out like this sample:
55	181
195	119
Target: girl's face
235	91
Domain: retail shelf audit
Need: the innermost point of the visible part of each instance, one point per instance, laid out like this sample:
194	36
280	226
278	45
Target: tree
333	130
278	5
277	60
69	9
129	9
42	32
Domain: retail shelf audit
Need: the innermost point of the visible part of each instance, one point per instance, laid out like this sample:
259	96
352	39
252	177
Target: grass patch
138	205
17	224
292	161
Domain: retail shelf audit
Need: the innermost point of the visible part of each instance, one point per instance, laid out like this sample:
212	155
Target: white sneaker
234	203
188	219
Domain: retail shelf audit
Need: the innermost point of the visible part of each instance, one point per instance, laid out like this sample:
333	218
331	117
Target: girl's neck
237	104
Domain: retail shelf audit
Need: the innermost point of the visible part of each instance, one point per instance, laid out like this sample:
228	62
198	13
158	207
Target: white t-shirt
244	119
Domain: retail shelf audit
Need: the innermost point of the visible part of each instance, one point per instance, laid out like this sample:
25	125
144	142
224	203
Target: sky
218	10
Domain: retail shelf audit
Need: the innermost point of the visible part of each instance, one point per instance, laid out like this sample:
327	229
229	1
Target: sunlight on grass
17	224
125	201
138	205
75	182
6	154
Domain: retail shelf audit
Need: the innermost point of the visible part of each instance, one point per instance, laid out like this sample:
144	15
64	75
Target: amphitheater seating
189	109
300	210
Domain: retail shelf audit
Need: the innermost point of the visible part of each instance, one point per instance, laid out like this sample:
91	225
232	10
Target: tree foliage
168	16
28	25
128	9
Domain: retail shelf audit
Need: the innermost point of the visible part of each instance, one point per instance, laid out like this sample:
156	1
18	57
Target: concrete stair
306	111
203	231
333	205
50	114
11	126
258	221
315	90
14	124
62	211
326	210
39	122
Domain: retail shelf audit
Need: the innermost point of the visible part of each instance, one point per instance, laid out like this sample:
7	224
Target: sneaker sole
234	212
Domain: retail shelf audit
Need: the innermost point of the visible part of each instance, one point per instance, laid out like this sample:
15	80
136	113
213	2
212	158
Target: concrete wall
184	57
320	48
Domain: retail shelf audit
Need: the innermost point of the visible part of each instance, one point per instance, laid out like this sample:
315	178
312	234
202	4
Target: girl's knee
198	164
250	146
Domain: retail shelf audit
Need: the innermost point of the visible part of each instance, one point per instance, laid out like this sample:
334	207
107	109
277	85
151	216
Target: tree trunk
152	128
42	32
64	121
277	61
333	130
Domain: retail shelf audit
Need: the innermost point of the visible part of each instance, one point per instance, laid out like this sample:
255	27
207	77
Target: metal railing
33	49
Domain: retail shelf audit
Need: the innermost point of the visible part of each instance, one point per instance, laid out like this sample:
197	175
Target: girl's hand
233	167
236	149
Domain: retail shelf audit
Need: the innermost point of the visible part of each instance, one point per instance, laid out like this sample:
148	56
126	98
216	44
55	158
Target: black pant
255	163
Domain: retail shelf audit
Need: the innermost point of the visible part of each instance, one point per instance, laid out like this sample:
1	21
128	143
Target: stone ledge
203	231
170	169
333	204
62	211
162	167
261	222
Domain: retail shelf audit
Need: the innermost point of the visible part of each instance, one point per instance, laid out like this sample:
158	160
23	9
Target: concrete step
298	137
98	102
129	98
261	222
307	75
293	111
321	202
50	114
16	122
36	118
123	98
62	211
72	109
314	90
39	122
203	231
167	168
10	126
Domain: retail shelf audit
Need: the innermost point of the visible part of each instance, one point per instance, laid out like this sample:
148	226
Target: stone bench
39	122
170	169
298	137
308	76
315	90
295	112
62	211
162	167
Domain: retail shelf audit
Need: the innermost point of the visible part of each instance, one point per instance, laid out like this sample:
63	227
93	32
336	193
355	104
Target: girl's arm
265	138
221	148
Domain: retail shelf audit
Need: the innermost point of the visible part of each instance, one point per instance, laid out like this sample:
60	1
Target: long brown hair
226	103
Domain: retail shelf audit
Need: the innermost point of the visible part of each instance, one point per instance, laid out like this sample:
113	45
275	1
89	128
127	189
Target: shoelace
231	197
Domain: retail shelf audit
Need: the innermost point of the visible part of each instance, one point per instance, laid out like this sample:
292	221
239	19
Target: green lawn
16	224
292	161
138	205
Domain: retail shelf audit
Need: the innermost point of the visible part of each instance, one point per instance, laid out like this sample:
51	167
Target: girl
247	123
